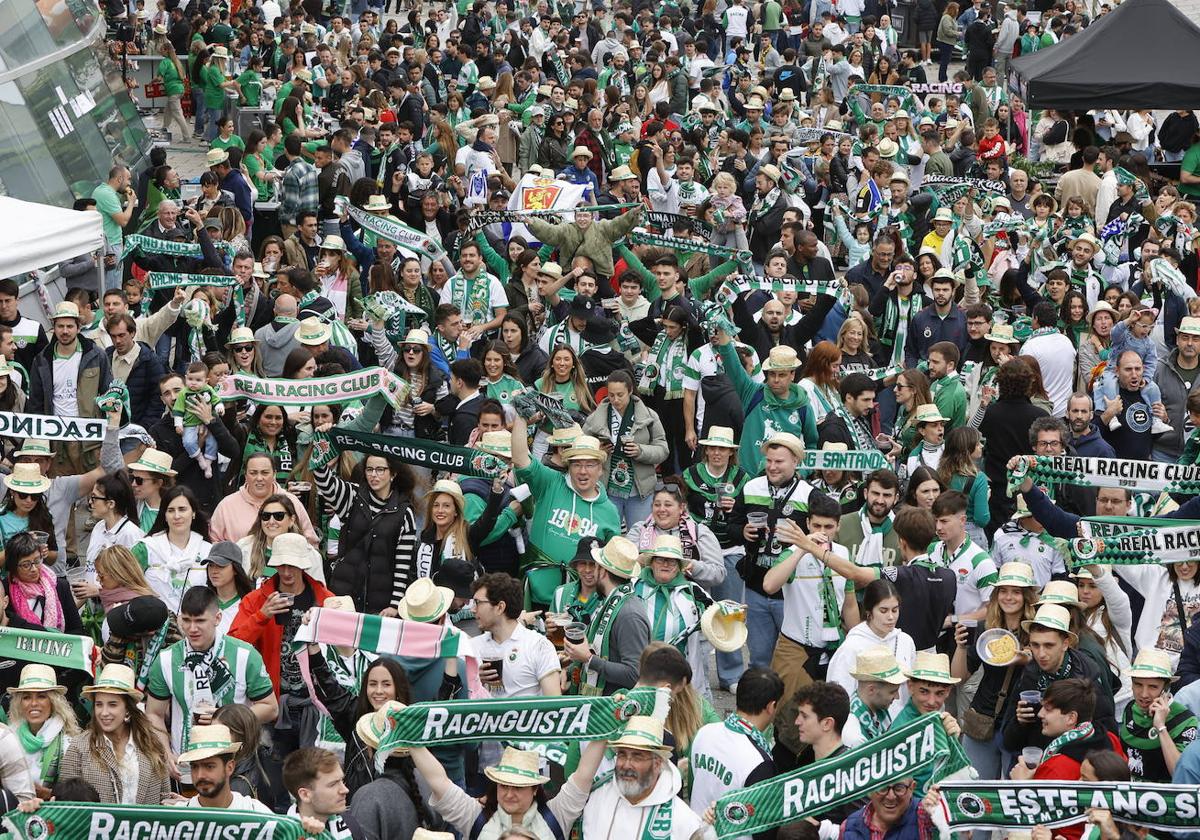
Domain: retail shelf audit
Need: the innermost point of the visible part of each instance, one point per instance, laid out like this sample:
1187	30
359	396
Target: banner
667	221
737	284
409	239
541	719
75	820
61	650
1136	476
836	781
442	457
674	243
157	280
877	374
987	805
858	461
170	247
952	181
347	387
936	87
814	135
79	429
536	193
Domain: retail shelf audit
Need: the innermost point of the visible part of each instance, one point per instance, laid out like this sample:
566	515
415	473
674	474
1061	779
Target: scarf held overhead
1106	472
841	779
79	429
403	236
61	650
1172	544
985	805
65	820
358	385
423	453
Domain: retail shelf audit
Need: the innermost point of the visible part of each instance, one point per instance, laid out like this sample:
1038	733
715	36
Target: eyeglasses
479	601
19	495
415	351
137	479
374	470
268	515
898	789
28	565
94	498
673	489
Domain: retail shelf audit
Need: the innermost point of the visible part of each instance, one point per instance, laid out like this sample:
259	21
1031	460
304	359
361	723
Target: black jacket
145	407
207	490
764	228
1019	735
1006	426
462	418
796	335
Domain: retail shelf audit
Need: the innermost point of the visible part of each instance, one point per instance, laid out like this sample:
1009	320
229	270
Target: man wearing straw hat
212	755
879	680
1155	728
643	793
735	753
1024	540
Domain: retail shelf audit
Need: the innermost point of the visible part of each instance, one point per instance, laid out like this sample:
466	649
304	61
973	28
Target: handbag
981	726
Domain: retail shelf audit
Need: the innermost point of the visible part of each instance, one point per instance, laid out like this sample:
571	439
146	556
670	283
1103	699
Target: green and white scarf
674	608
599	639
620	466
406	238
110	822
667	360
46	647
1082	732
862	438
897	315
739	283
688	246
357	386
872	723
1147	476
473	297
736	723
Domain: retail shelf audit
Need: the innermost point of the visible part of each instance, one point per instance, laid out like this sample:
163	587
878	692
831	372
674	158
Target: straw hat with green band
153	461
668	546
1153	664
720	436
1015	574
115	679
878	664
619	556
35	677
424	601
929	413
372	727
642	733
35	448
1060	592
517	768
932	667
496	443
27	478
1051	617
1002	334
208	741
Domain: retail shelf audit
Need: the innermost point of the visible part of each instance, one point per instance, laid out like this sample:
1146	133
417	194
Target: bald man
278	338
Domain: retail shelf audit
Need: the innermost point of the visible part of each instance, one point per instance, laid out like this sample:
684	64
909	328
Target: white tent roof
39	235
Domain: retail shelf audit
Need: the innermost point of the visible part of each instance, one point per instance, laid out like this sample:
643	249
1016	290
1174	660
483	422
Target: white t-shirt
497	297
66	385
1056	357
974	570
723	760
240	802
528	656
803	614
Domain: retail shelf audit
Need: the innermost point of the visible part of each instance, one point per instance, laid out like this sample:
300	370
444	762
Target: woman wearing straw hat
515	794
24	507
426	381
1155	728
242	348
151	476
931	429
1013	601
44	721
338	276
139	776
447	532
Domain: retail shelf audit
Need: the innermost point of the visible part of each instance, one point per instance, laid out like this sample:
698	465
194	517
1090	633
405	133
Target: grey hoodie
275	341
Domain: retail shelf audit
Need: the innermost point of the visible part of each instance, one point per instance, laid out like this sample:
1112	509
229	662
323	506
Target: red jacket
1065	767
266	634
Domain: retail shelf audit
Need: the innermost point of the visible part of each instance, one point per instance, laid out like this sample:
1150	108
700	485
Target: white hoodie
610	816
860	638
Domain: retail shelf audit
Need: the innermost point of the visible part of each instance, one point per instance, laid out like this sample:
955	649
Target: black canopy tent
1143	54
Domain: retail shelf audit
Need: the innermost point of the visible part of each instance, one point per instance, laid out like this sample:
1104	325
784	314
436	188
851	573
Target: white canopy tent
36	236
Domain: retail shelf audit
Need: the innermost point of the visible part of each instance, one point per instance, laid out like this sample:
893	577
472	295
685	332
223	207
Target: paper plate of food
997	647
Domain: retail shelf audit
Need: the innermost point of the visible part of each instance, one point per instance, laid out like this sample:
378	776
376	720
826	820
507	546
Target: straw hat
724	625
943	214
1053	617
372	727
220	51
313	331
1060	592
66	309
215	156
834	446
35	448
291	550
417	336
1105	306
115	679
585	448
341	603
929	413
720	436
665	545
581	151
787	95
496	443
376	203
208	741
36	677
425	601
1022	510
565	436
1081	573
642	733
619	556
303	75
1088	239
27	478
1189	325
241	335
452	489
787	440
754	104
932	667
160	29
154	461
781	357
517	768
259	272
486	83
426	834
878	664
1150	664
551	269
1003	333
621	173
887	148
1015	574
333	242
771	172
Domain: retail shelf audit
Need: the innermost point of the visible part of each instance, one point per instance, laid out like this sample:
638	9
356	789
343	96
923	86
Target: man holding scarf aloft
1155	728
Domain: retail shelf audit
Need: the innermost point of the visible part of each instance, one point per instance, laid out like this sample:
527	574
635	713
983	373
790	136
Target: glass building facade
65	113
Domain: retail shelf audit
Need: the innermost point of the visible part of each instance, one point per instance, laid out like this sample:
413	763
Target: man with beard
896	300
979	324
212	754
850	423
942	320
644	789
868	533
317	784
1177	379
1085	436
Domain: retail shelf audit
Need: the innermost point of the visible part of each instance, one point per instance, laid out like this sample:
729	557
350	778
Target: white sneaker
1114	423
1160	427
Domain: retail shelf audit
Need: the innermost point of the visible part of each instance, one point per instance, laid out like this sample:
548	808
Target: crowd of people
790	248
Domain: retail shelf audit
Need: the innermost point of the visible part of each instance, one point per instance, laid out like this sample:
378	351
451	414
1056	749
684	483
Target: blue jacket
927	329
584	177
1059	523
144	405
855	827
1092	445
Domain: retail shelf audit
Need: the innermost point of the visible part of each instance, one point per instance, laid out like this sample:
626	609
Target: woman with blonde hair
41	715
912	391
443	140
504	88
121	577
118	733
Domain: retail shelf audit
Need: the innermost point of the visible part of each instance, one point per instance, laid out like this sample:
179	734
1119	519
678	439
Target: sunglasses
268	515
244	348
19	495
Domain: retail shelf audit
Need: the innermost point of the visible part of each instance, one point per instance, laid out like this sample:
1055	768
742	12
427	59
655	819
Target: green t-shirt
212	79
285	90
255	165
109	203
234	142
1191	163
251	84
772	12
172	84
564	518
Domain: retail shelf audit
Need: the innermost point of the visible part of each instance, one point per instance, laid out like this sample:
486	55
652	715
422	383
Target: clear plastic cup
1032	756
